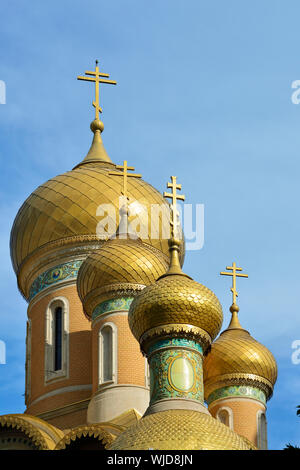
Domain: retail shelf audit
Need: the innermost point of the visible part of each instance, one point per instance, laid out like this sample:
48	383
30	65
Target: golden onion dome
176	299
237	358
63	211
180	430
119	265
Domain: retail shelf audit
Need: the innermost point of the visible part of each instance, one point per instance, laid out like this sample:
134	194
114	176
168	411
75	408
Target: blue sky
204	92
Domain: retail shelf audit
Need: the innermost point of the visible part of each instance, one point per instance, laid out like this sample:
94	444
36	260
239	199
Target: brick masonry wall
244	415
69	421
80	370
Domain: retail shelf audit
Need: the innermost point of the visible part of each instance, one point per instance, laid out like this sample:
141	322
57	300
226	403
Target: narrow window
223	416
107	354
28	362
58	338
262	431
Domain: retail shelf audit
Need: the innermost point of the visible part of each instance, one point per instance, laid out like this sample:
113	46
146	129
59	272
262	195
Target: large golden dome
117	264
235	356
62	213
66	206
180	430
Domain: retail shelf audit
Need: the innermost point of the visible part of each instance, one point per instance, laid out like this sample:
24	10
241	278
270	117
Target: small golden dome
235	357
175	299
118	263
180	430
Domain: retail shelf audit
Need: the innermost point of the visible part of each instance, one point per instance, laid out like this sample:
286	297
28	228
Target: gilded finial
174	212
125	168
97	152
95	76
234	309
123	225
175	241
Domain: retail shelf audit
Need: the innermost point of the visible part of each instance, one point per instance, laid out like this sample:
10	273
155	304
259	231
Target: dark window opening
58	338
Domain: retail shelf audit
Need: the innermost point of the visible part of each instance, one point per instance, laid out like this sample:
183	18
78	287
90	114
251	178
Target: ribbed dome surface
120	261
175	299
180	430
236	352
66	206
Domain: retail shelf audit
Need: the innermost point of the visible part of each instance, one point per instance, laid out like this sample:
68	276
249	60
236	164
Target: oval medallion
181	374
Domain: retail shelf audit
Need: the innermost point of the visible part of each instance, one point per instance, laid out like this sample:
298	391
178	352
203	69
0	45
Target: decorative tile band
52	276
237	391
112	305
175	373
175	342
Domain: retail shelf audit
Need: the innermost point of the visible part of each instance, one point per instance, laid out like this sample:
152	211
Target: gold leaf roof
175	299
118	261
42	434
180	430
66	205
93	430
235	355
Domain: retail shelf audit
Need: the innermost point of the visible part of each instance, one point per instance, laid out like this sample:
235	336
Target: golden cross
125	175
96	78
174	196
234	275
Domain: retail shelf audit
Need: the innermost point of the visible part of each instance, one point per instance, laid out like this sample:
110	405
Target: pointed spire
124	230
234	309
174	243
234	322
97	152
175	267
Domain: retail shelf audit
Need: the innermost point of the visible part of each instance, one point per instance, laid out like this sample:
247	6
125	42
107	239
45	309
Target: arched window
147	374
262	442
28	362
224	415
57	340
107	353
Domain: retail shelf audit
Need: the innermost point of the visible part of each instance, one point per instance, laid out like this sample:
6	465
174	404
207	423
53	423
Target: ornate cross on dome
174	196
125	175
96	78
234	275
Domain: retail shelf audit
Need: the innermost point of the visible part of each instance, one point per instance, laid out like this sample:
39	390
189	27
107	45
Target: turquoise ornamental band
237	391
52	276
175	370
175	342
112	305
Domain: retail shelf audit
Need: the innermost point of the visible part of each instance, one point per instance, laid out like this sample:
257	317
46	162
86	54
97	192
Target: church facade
121	348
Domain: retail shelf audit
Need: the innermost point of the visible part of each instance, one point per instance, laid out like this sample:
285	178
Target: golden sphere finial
97	125
234	308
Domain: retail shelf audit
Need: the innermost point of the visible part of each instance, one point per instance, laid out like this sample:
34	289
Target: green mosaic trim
52	276
112	305
237	391
175	342
164	384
